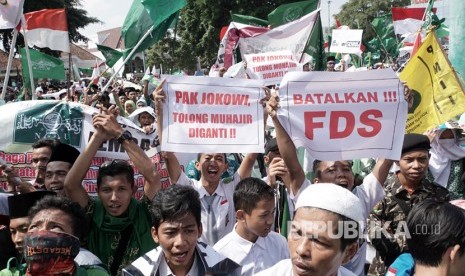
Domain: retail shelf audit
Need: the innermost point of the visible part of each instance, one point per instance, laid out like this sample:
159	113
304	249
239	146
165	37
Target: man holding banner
116	217
216	194
337	172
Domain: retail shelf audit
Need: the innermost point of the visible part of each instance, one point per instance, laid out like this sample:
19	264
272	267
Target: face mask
50	253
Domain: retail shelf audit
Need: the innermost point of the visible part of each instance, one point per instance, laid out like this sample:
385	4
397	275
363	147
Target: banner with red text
343	116
272	66
213	115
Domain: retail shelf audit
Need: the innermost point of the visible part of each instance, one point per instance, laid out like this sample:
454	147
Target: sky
113	12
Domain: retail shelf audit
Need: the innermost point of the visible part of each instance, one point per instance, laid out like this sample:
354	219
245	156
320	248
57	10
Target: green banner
52	121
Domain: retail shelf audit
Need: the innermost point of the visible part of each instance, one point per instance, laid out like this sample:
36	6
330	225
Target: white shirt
223	205
164	269
253	257
370	192
284	268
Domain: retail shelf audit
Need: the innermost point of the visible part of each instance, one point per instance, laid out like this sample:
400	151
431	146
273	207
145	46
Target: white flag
10	13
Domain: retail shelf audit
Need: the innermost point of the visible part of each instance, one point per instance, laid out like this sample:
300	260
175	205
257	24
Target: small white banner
272	66
346	41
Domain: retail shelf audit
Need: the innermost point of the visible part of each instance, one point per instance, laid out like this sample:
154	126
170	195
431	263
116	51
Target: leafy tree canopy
198	29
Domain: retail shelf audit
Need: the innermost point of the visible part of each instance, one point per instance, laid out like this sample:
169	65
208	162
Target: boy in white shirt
215	193
252	244
176	228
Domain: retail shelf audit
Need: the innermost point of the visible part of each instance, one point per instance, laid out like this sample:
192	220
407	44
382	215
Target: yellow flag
436	93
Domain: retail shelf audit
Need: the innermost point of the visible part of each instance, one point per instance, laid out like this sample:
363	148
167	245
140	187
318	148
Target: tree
198	29
358	14
164	53
77	18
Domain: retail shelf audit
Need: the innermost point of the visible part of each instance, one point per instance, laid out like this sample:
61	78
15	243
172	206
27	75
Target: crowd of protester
287	222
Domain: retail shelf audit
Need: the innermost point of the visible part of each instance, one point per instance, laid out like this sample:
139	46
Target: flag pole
29	63
69	75
12	49
128	57
8	66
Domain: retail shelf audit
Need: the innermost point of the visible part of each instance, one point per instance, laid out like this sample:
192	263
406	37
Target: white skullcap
134	117
331	197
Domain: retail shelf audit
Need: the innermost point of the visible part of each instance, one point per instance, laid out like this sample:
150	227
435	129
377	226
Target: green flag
248	20
385	43
111	55
43	66
290	12
137	23
315	46
86	71
383	26
160	10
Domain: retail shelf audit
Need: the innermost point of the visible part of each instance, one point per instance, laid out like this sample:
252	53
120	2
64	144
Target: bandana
50	253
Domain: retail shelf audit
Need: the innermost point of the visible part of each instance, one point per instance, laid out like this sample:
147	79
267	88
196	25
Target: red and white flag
228	43
10	13
95	73
47	28
408	20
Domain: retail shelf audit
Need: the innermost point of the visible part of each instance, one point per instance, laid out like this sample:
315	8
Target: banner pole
29	64
9	64
69	75
128	57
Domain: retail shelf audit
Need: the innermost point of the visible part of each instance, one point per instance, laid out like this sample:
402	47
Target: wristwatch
126	135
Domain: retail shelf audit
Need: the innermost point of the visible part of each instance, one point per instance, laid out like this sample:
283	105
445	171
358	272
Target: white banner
342	116
272	66
346	41
26	122
213	115
292	36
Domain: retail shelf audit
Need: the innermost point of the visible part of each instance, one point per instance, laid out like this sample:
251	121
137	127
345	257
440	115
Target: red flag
338	24
47	28
417	44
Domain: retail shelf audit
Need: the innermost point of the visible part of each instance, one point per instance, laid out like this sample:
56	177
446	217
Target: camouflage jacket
387	226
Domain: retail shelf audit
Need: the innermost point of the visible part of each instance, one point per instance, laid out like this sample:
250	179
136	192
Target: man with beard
325	233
